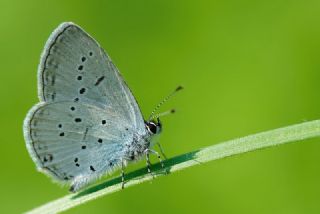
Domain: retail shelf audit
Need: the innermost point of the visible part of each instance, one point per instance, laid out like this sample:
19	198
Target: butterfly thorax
140	144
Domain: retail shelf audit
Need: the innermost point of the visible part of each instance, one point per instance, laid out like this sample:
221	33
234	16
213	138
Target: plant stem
249	143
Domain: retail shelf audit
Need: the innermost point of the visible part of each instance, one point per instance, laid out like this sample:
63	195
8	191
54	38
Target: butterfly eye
152	127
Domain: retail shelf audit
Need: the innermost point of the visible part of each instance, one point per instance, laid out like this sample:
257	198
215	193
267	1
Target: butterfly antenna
172	111
162	102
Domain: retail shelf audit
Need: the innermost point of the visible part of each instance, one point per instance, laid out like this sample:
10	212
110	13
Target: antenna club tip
173	111
179	88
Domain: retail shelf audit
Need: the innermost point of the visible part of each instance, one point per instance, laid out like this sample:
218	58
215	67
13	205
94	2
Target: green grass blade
233	147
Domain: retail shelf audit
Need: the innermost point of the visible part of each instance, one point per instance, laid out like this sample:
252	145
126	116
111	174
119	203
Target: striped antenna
163	101
172	111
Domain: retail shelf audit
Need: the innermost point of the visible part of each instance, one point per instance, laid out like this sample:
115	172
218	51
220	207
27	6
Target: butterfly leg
161	151
148	160
158	155
147	152
122	173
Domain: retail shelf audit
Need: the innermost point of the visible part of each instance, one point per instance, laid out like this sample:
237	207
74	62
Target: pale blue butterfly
87	122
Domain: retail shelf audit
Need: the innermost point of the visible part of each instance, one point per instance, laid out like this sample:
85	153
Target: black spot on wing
77	120
53	95
92	169
80	68
99	80
48	157
82	90
53	79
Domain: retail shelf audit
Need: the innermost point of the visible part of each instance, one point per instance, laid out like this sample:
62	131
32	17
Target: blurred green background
247	66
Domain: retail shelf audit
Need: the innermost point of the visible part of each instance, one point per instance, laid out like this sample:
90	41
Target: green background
247	66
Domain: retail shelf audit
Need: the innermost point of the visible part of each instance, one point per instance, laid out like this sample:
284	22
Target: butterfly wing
71	140
74	67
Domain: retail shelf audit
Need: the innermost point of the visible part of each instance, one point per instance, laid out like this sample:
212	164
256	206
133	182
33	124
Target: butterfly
87	123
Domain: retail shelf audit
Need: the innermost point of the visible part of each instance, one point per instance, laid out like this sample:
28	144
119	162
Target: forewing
74	67
69	140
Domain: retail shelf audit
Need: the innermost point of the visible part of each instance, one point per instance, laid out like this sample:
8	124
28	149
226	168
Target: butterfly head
154	126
